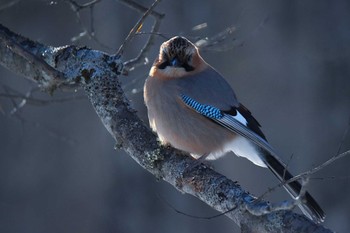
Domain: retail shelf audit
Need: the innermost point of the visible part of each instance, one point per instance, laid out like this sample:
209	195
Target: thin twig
141	58
316	169
7	90
287	165
194	216
137	26
226	40
41	102
216	42
331	178
27	98
346	131
163	35
8	4
49	131
76	7
23	101
308	173
305	176
138	7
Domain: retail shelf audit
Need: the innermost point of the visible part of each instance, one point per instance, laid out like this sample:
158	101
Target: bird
193	108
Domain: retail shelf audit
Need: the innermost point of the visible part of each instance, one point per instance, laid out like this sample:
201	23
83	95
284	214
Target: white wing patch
241	118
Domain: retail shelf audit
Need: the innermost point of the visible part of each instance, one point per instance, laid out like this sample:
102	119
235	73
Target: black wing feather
252	123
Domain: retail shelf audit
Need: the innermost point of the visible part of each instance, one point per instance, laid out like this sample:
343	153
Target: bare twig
163	35
345	134
307	174
226	40
9	4
141	57
287	165
304	175
136	26
138	7
76	7
49	131
23	101
7	90
192	215
216	42
28	99
320	167
331	178
40	102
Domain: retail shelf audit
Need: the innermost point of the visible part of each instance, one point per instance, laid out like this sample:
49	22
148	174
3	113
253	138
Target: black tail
308	206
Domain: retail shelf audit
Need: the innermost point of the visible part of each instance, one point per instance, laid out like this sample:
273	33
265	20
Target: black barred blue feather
205	110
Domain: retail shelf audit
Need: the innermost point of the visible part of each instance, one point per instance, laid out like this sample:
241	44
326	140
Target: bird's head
178	57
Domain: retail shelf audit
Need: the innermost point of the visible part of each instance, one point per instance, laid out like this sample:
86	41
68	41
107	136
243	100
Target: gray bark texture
55	68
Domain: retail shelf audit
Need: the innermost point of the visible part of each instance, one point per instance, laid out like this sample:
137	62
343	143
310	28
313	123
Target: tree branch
98	73
32	60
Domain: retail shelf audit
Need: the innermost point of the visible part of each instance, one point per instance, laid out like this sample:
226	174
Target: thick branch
31	59
98	73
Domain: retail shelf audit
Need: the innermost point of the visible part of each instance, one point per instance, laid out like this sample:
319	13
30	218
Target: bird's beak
175	62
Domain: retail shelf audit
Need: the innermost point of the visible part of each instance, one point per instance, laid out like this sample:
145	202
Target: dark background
59	171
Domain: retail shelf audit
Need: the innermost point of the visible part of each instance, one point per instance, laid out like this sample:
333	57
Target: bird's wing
238	120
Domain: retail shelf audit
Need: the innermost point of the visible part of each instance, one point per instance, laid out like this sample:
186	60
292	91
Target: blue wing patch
235	123
205	110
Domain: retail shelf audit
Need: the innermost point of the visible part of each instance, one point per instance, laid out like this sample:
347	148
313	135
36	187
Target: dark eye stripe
163	65
186	66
